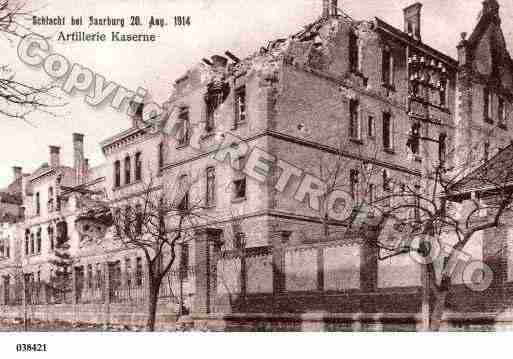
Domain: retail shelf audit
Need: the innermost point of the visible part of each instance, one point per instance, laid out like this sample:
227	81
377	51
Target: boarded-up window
342	268
260	274
301	270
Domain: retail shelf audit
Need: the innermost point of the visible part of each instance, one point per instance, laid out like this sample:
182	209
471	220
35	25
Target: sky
240	26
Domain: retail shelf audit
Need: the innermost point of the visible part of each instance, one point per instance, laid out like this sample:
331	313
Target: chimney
462	50
55	153
78	156
219	62
17	173
334	7
491	7
329	8
412	20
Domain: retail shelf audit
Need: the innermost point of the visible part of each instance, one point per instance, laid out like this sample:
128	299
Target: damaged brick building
314	107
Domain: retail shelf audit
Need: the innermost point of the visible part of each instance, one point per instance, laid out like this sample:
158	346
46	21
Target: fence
117	288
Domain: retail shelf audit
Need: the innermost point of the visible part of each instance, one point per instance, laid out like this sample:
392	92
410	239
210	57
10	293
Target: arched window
138	166
128	169
27	242
117	174
51	237
38	241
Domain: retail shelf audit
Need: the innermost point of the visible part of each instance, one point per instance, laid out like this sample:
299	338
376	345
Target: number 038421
31	347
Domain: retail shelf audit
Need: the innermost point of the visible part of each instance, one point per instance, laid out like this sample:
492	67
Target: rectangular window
386	181
487	104
128	170
184	127
387	131
27	242
372	191
414	139
353	182
117	174
138	166
98	275
90	276
161	155
239	188
128	272
443	93
387	67
127	220
184	261
502	112
486	151
210	113
32	244
353	53
38	204
239	185
354	125
442	147
38	241
371	127
50	200
210	190
183	193
138	219
138	272
240	105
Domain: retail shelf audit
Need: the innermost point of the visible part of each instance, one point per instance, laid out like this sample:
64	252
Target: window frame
138	166
117	174
210	189
127	170
387	118
241	116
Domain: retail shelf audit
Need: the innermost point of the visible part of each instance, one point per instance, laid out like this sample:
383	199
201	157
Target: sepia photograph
227	166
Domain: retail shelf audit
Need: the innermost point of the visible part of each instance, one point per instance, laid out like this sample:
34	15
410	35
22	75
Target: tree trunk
152	306
439	303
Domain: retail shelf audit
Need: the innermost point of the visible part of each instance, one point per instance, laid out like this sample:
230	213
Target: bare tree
18	99
156	222
460	201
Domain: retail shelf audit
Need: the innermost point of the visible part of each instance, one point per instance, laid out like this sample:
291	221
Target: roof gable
487	49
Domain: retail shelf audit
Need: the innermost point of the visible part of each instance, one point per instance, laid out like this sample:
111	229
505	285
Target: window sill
502	126
119	188
182	146
488	120
239	125
207	135
210	206
356	141
239	200
389	151
389	87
